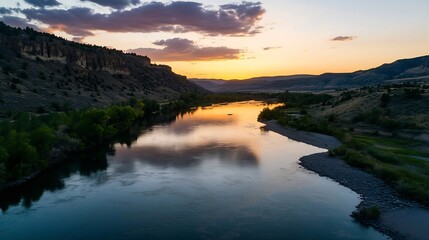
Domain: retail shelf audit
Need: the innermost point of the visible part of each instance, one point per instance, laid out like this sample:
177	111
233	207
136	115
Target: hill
383	130
40	71
405	70
209	84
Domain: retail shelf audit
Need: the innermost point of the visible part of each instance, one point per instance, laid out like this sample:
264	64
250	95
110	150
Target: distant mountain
209	84
40	70
415	69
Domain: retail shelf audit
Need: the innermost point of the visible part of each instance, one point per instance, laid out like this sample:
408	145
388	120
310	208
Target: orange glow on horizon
290	43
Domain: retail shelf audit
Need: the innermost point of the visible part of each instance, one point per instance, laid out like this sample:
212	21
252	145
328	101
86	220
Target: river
210	174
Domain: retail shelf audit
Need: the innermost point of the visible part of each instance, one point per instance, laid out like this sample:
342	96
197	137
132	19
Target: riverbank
396	213
314	139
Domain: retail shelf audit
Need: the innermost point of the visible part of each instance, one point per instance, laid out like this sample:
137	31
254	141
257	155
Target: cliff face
39	70
48	49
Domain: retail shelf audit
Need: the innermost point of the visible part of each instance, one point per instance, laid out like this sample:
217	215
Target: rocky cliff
40	70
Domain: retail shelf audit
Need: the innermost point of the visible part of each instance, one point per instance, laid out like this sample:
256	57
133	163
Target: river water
211	174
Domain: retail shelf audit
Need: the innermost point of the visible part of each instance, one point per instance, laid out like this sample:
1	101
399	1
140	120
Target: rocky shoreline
395	211
373	191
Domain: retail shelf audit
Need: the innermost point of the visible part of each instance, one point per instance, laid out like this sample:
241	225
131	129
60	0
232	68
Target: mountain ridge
403	70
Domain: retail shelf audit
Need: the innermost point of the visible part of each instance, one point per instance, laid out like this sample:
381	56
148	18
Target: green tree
266	114
91	128
3	158
122	118
385	100
42	139
23	159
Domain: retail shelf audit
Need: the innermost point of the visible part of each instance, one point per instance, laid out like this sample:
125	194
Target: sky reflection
191	179
219	132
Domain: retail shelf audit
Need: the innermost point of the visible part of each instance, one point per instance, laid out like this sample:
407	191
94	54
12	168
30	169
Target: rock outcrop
40	70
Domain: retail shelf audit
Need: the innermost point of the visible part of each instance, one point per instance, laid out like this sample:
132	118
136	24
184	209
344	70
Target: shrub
7	69
42	139
414	191
372	116
356	159
303	99
332	117
56	106
367	213
22	159
41	110
339	151
266	114
23	75
413	93
16	81
91	127
42	76
385	100
3	157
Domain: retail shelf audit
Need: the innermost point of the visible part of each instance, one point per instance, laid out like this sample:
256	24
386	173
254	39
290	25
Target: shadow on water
188	154
52	179
85	164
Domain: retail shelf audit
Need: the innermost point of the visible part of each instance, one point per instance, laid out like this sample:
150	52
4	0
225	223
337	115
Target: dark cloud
43	3
5	10
117	4
178	49
18	22
343	38
270	48
231	19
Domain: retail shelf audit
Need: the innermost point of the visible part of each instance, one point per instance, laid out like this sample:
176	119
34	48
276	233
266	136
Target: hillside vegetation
31	143
384	130
41	72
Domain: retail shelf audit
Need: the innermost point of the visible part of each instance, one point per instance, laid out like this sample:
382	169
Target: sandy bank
400	219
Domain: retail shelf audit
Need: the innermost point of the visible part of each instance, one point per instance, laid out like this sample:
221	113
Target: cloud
18	22
270	48
179	49
343	38
43	3
5	10
231	19
78	33
78	39
116	4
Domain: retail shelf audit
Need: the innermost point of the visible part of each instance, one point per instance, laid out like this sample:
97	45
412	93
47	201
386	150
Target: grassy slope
39	71
381	138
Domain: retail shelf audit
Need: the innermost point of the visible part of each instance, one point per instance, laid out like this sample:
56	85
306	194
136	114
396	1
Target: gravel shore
400	219
314	139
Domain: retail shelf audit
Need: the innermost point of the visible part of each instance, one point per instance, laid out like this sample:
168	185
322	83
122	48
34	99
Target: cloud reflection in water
208	134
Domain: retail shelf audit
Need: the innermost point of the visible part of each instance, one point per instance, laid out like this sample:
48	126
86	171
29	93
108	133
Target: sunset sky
228	39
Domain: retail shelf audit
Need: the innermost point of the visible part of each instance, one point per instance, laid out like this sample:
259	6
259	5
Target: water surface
211	174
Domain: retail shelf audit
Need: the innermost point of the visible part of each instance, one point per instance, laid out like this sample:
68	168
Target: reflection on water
211	133
210	174
53	180
189	155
